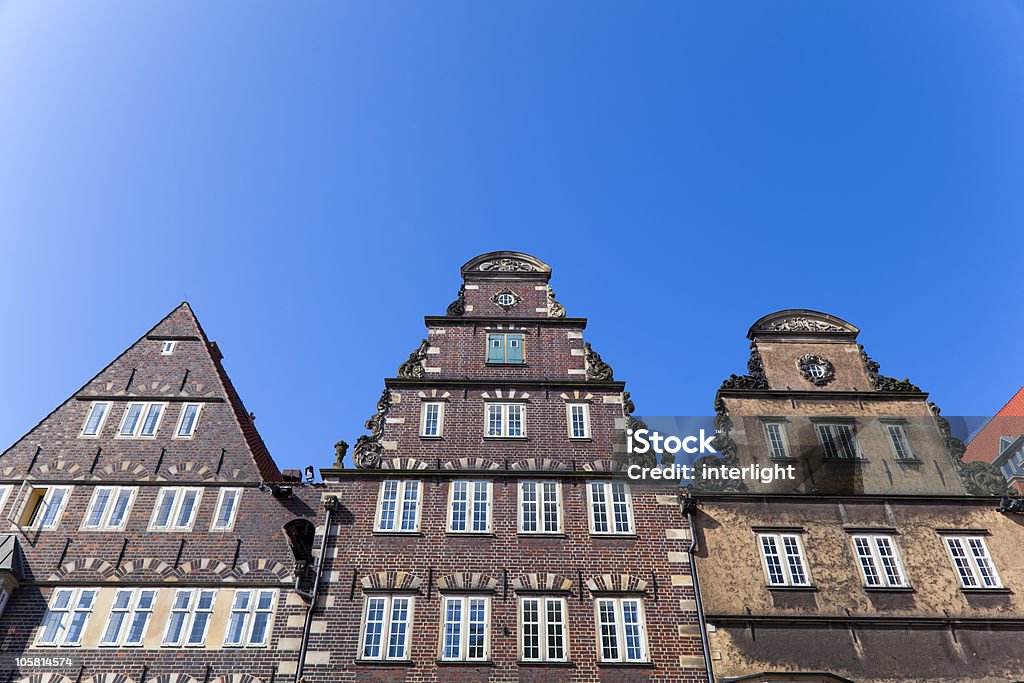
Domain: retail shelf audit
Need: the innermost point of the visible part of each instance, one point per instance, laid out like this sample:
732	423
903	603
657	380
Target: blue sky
311	176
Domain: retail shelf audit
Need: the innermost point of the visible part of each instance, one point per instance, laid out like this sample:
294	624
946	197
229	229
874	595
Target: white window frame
504	411
784	542
180	493
426	405
5	491
896	427
783	439
167	347
115	493
214	526
44	503
387	624
622	654
181	419
132	612
585	408
188	621
970	572
403	485
833	430
107	409
544	628
875	570
249	619
136	433
541	501
68	615
472	514
463	641
608	487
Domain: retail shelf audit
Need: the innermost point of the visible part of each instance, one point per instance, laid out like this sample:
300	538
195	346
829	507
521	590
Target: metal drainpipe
689	505
330	504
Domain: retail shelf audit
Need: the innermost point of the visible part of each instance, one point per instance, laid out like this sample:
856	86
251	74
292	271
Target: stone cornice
824	499
401	382
822	395
436	320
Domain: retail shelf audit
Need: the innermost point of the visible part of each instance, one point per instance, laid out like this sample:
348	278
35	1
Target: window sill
596	534
847	461
793	589
786	459
470	534
384	662
475	662
627	665
397	533
889	589
580	439
542	534
505	438
545	665
431	438
493	364
986	591
908	461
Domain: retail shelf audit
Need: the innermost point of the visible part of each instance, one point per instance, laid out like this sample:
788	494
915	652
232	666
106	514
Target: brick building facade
144	529
482	534
886	559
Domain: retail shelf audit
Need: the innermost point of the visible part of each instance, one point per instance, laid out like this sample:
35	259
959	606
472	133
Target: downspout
689	506
331	505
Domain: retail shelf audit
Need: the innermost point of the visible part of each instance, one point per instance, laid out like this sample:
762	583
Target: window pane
494	427
551	516
475	648
608	629
399	628
867	560
515	420
96	415
577	413
410	505
983	562
226	510
453	628
51	506
963	566
528	493
131	419
631	630
164	505
795	563
555	629
117	515
188	419
776	443
773	563
481	504
188	506
459	495
152	419
374	627
620	506
599	507
431	419
389	500
99	507
531	629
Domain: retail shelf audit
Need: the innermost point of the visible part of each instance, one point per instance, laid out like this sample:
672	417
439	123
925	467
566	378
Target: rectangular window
465	635
505	348
610	508
542	629
621	631
166	348
175	509
97	416
250	618
42	506
879	561
129	617
5	492
109	508
972	562
540	507
67	617
398	508
431	419
839	441
186	428
505	420
900	442
5	595
141	420
578	415
775	434
470	507
227	509
387	624
191	613
784	560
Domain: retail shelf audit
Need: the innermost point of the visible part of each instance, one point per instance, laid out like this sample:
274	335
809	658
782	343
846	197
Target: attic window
166	348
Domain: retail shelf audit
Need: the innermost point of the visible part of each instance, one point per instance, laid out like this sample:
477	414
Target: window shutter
515	348
495	348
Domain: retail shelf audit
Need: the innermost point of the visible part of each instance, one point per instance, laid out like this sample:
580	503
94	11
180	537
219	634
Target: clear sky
312	175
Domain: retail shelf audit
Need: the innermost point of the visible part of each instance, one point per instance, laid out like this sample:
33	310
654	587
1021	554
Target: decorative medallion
801	324
508	265
506	298
817	370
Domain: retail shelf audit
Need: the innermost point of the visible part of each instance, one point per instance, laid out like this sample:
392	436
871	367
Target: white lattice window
540	507
175	509
96	418
621	630
578	417
775	435
398	506
67	617
465	628
505	420
839	441
611	507
542	629
249	624
129	618
387	627
470	507
879	561
432	419
141	420
109	508
972	562
783	558
191	614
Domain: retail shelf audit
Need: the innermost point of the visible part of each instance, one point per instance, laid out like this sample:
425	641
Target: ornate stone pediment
506	265
801	321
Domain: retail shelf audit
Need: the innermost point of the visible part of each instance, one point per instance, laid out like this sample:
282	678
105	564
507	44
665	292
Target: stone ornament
755	379
806	362
802	324
413	367
597	369
880	382
367	451
979	478
507	265
555	309
506	299
457	308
